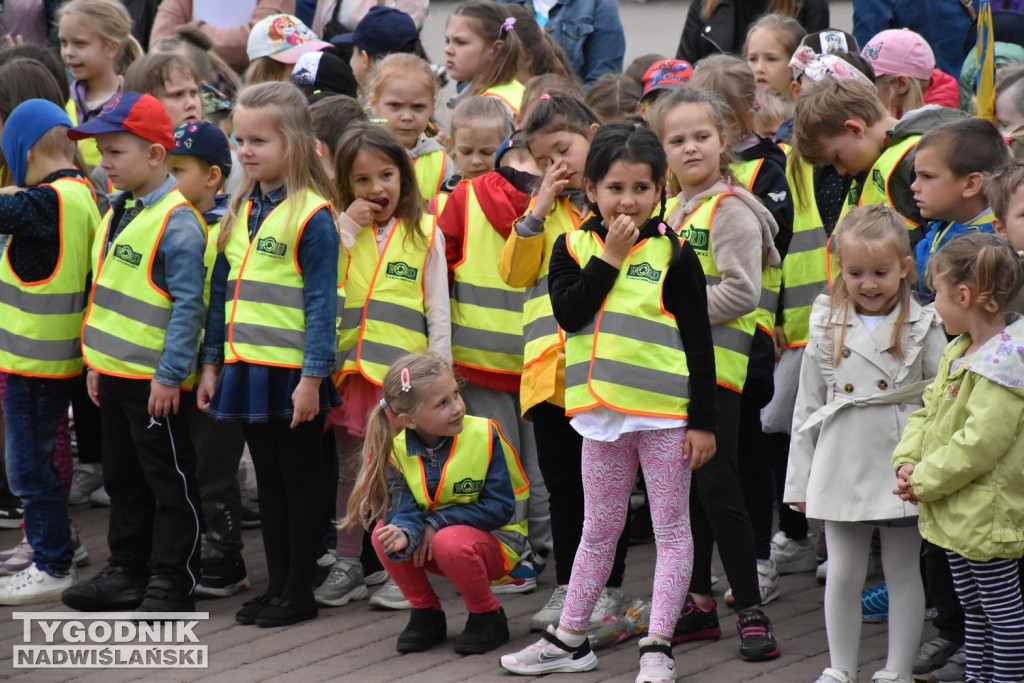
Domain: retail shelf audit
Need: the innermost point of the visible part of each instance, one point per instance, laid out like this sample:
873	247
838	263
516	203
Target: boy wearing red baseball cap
139	341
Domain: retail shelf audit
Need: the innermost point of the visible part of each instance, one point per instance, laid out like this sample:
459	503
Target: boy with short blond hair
140	339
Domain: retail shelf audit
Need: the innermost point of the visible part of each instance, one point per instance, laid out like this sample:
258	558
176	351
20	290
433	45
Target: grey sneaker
793	557
551	612
389	596
376	578
933	654
953	671
343	584
609	603
86	478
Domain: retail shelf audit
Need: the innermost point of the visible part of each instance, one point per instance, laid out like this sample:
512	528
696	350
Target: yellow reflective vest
771	277
429	169
123	332
510	93
487	314
805	268
630	358
732	338
875	189
384	315
264	308
41	334
86	147
463	478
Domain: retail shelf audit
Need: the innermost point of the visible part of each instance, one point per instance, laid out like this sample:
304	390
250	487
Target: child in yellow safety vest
402	92
395	302
51	219
273	324
640	388
447	495
732	234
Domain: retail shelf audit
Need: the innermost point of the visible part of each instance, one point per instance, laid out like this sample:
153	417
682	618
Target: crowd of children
789	276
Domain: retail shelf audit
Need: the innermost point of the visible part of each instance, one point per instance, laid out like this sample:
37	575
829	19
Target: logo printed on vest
854	195
699	238
643	271
123	252
467	487
271	247
400	270
878	180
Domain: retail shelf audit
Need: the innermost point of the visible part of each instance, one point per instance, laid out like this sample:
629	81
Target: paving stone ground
357	644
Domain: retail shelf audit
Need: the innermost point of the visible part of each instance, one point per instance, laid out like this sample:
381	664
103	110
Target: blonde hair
487	19
266	70
773	109
479	110
897	104
823	108
546	84
731	79
370	496
400	64
1001	185
692	95
55	142
985	263
111	21
879	228
784	28
285	107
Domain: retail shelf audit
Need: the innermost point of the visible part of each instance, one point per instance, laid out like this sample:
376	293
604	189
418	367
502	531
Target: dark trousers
149	470
288	464
88	433
718	513
559	454
219	447
752	453
938	582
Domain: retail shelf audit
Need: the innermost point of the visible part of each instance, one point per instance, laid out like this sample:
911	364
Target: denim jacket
319	287
177	270
493	509
591	33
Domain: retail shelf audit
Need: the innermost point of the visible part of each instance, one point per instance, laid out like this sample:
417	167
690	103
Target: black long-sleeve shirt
577	295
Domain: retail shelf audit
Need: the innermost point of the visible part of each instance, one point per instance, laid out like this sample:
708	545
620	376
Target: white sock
570	639
661	640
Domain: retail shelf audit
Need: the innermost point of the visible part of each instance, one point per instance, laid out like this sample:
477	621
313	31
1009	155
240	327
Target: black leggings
718	512
559	454
288	464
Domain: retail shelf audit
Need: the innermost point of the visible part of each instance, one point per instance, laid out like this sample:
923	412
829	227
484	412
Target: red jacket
942	89
503	195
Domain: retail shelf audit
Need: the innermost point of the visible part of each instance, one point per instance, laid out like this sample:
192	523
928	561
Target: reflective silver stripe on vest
270	293
803	295
352	319
265	335
486	340
129	307
806	240
769	300
40	349
121	349
514	540
487	297
41	304
375	352
541	327
627	375
730	338
396	314
641	329
712	280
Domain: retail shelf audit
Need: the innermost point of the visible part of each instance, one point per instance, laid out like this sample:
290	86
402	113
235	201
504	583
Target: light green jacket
967	448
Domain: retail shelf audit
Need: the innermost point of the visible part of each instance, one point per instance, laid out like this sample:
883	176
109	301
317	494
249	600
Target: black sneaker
250	518
284	612
11	516
483	633
757	642
114	589
426	628
220	577
163	596
696	623
251	609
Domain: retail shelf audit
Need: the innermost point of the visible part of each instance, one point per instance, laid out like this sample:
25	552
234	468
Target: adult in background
590	32
342	16
229	43
721	25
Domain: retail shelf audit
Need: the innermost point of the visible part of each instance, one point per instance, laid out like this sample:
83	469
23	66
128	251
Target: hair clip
507	26
662	228
406	380
384	404
545	96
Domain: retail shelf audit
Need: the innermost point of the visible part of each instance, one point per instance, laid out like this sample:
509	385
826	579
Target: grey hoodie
742	247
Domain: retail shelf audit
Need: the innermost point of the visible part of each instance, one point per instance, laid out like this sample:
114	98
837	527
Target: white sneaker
821	573
767	583
100	497
886	676
793	557
656	663
31	586
550	655
609	604
550	613
86	478
831	675
389	596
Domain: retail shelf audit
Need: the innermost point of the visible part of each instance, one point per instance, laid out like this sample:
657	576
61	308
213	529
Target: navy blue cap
382	31
204	140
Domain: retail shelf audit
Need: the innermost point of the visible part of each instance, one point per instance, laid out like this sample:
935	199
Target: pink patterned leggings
609	469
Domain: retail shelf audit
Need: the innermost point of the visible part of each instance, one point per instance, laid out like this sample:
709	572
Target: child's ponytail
985	263
492	22
111	21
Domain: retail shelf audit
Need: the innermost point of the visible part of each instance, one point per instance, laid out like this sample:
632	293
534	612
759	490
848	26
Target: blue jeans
33	408
943	23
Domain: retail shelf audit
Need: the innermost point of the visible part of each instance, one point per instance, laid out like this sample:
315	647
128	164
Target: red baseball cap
131	112
667	74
